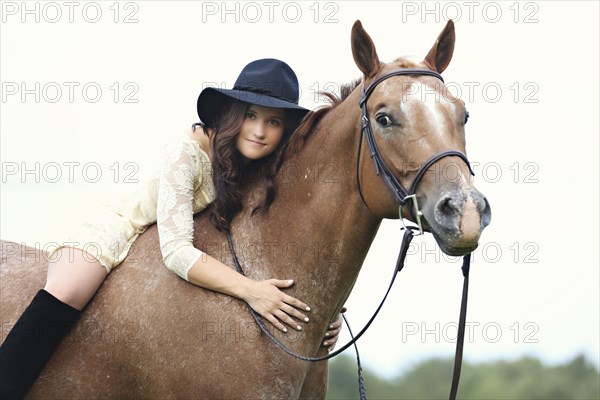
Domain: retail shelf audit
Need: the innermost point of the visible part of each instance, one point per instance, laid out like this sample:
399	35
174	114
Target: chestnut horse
149	334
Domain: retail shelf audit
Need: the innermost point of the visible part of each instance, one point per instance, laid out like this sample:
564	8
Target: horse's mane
306	127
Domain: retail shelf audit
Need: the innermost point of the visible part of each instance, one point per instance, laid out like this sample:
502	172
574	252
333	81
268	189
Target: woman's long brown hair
229	171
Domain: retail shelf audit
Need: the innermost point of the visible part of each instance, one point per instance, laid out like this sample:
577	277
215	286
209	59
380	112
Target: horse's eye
466	117
384	120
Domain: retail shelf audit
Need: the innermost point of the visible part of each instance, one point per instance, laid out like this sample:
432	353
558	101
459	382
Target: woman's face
261	132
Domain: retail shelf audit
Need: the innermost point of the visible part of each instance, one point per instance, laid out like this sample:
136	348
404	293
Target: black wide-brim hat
266	82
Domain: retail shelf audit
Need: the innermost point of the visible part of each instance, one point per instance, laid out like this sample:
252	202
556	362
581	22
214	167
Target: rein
263	327
403	196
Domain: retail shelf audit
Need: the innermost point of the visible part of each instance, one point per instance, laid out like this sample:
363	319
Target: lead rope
361	381
406	239
461	327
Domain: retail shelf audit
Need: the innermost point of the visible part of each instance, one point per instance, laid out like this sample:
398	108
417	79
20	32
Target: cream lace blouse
182	188
185	188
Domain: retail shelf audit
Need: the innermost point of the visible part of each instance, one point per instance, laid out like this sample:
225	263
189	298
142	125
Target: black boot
31	343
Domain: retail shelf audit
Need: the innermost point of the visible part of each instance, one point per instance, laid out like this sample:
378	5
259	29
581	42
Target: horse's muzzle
457	220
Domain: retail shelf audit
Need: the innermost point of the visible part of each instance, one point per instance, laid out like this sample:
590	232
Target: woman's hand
333	332
275	306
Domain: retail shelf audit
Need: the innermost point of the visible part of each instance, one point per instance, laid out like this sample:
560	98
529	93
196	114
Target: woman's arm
263	296
180	170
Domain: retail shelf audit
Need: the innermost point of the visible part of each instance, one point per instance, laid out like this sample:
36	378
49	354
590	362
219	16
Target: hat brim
211	101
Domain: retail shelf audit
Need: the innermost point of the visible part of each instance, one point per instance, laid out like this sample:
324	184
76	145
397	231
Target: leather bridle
403	196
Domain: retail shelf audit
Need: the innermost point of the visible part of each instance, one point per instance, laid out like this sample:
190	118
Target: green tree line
526	378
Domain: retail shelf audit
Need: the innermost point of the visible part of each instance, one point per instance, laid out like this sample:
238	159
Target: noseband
402	195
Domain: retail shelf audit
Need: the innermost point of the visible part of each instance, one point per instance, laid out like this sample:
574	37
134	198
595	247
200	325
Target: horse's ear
440	54
363	51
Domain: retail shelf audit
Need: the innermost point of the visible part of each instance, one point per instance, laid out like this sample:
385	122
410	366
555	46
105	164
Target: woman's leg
73	278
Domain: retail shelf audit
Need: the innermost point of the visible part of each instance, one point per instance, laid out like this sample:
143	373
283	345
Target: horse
149	334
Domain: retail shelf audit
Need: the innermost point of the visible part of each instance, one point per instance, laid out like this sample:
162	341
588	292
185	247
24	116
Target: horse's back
149	334
22	273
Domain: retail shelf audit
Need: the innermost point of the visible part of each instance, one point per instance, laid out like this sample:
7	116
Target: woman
248	124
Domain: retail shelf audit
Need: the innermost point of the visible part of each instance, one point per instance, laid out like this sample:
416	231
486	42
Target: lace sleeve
175	217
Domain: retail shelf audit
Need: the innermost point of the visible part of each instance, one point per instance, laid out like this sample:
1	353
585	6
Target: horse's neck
319	184
318	229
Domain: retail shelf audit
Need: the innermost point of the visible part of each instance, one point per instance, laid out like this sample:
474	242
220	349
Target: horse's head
413	118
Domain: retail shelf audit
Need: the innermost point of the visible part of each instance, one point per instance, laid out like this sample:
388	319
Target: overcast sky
100	86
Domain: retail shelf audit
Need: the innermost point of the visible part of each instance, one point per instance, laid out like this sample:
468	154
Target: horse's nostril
447	213
483	207
446	207
486	213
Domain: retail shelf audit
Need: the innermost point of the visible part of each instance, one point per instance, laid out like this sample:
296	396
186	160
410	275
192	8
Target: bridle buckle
416	212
